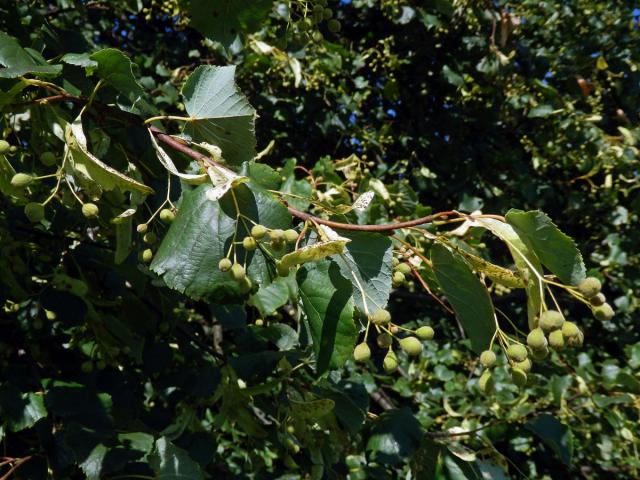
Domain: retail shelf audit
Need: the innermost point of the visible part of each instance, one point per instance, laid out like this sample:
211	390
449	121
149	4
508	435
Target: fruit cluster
411	345
167	216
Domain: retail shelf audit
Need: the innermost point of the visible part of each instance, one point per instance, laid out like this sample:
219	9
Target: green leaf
173	463
328	306
20	410
92	466
556	250
366	263
312	409
526	262
200	237
6	174
467	295
271	297
79	59
91	173
116	69
224	20
19	62
540	111
396	436
557	436
220	114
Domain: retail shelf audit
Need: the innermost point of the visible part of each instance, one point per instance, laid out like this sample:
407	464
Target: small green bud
577	340
87	367
398	279
290	236
362	352
4	146
249	243
48	159
518	377
384	340
425	333
404	268
246	285
395	262
167	216
50	315
21	180
150	238
570	330
147	255
237	272
550	320
598	299
258	231
390	362
224	265
517	352
590	287
603	312
536	339
487	359
334	25
524	365
142	228
90	210
34	212
381	317
556	340
327	13
411	345
259	322
486	383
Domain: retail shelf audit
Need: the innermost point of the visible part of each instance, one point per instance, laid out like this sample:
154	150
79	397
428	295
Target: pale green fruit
404	268
21	180
488	359
4	146
290	236
398	279
486	383
598	299
276	235
259	322
577	340
48	159
570	330
258	231
237	272
536	339
167	215
282	270
556	340
517	352
34	212
390	362
411	345
249	243
381	317
147	255
550	320
425	333
590	287
540	354
603	312
524	365
90	210
245	284
518	377
384	340
224	265
142	228
362	352
51	315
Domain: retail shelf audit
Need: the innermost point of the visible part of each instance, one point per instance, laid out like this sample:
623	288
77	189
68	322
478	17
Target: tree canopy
317	239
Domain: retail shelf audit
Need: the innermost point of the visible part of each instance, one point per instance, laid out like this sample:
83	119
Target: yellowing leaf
313	253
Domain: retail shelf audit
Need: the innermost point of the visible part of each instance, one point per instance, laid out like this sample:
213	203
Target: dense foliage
319	239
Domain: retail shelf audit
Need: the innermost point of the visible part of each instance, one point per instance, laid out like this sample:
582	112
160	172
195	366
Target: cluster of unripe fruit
318	13
553	331
400	272
411	345
167	216
590	288
276	238
6	147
